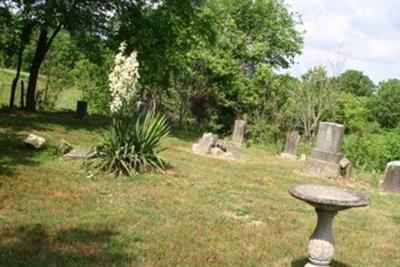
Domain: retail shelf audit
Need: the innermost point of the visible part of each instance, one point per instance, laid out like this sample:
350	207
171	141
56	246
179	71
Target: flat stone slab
320	195
79	153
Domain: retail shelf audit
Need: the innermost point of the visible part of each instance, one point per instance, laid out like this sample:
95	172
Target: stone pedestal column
321	246
326	155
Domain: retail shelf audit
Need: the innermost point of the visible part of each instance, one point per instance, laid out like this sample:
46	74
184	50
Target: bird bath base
327	200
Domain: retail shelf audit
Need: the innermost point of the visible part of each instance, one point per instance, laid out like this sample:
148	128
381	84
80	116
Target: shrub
132	146
373	151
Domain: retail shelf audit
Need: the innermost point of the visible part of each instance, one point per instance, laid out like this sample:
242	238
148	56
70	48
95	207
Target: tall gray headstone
291	145
324	160
239	131
391	182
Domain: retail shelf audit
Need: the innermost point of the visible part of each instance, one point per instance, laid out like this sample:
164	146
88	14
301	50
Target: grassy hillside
66	100
203	212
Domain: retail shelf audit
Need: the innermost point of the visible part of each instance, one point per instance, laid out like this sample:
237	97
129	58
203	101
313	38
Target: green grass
53	214
66	100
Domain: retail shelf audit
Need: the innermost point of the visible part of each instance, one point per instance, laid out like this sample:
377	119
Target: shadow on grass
33	245
302	261
19	121
13	153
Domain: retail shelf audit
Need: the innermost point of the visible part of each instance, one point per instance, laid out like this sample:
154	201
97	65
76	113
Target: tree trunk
17	74
38	58
42	46
22	95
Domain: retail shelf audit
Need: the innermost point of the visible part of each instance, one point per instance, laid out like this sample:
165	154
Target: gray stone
319	168
391	181
232	152
327	200
330	137
34	141
239	131
205	143
80	153
292	143
344	162
64	147
324	160
216	151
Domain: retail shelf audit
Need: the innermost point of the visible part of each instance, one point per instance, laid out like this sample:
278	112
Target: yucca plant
133	145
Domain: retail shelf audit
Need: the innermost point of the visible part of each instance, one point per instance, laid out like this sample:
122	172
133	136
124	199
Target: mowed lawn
202	212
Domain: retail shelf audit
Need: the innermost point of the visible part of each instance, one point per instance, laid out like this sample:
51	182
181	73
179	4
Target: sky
350	34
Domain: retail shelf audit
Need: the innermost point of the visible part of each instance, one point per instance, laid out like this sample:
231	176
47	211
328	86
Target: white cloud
367	32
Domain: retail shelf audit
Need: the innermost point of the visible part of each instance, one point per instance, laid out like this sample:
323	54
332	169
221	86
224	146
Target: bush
132	146
373	151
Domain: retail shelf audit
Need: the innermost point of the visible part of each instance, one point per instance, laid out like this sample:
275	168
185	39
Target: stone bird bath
327	200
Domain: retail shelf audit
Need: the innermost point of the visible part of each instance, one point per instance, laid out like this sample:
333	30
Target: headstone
324	160
34	141
64	147
80	153
239	131
81	109
205	143
391	182
291	145
216	151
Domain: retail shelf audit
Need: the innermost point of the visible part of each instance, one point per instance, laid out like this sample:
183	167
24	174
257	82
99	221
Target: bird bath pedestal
327	200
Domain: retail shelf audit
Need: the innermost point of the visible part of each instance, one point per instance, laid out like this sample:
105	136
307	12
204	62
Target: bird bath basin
327	200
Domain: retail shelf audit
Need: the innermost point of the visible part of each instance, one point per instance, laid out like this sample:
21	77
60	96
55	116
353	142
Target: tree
385	106
313	98
198	57
357	83
23	27
50	17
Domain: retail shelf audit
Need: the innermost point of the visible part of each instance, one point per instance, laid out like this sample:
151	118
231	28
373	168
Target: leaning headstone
205	143
291	145
239	132
391	182
34	141
80	153
324	160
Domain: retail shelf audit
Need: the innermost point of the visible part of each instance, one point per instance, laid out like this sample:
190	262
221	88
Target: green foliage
353	112
92	80
132	146
373	151
385	105
314	98
355	82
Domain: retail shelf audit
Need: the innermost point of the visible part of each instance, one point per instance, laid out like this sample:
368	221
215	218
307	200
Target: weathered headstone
205	143
239	131
391	182
324	160
80	153
291	145
34	141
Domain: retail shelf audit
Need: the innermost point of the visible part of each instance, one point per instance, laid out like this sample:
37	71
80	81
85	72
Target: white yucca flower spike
124	78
